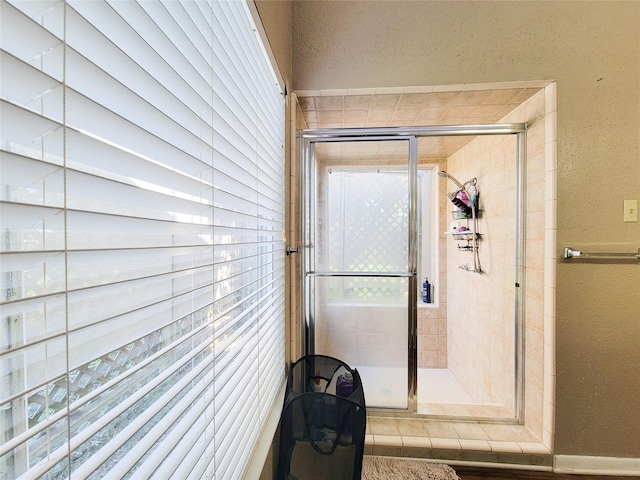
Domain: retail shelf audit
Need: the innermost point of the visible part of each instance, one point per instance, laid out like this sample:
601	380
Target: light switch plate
631	210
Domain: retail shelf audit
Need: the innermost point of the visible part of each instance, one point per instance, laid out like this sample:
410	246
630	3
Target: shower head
444	174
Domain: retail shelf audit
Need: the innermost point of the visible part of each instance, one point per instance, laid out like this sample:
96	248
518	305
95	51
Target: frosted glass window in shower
367	231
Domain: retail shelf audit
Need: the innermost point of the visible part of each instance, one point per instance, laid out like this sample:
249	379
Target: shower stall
378	219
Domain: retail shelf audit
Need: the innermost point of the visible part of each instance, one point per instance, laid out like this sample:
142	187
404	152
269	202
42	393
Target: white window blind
142	262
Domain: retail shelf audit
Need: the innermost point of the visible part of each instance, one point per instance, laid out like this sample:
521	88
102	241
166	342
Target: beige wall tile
383	426
412	428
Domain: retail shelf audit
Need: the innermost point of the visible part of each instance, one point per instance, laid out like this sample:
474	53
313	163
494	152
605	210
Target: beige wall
276	17
592	50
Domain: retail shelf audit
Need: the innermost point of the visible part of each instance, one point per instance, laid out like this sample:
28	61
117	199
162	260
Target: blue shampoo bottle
426	291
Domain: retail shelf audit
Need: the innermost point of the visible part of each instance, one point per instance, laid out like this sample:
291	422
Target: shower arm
462	187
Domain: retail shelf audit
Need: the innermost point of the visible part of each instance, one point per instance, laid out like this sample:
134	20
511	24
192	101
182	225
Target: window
364	203
142	264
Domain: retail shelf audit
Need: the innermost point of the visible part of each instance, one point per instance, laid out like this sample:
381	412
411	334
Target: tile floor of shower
440	395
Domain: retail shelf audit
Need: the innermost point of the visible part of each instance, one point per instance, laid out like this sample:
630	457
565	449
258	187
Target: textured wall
276	17
592	50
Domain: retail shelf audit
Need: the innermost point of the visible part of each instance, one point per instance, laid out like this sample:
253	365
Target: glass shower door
360	274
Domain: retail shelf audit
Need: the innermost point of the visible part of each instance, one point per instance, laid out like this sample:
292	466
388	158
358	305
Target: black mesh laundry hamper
322	429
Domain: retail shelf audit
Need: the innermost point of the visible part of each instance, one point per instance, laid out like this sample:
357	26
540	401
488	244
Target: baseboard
578	464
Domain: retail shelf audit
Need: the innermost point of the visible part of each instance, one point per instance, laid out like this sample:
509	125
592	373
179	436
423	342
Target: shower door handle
362	274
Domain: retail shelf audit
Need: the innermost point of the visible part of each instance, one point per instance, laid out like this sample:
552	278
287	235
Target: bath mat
396	468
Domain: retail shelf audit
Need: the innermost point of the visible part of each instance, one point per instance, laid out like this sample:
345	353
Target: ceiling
464	107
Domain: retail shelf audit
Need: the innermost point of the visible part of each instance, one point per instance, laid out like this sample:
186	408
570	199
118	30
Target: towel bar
570	253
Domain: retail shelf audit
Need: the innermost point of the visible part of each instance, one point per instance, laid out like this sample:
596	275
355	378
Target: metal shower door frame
307	138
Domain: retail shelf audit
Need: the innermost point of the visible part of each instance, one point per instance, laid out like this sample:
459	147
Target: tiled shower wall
480	307
363	336
540	238
432	318
432	333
